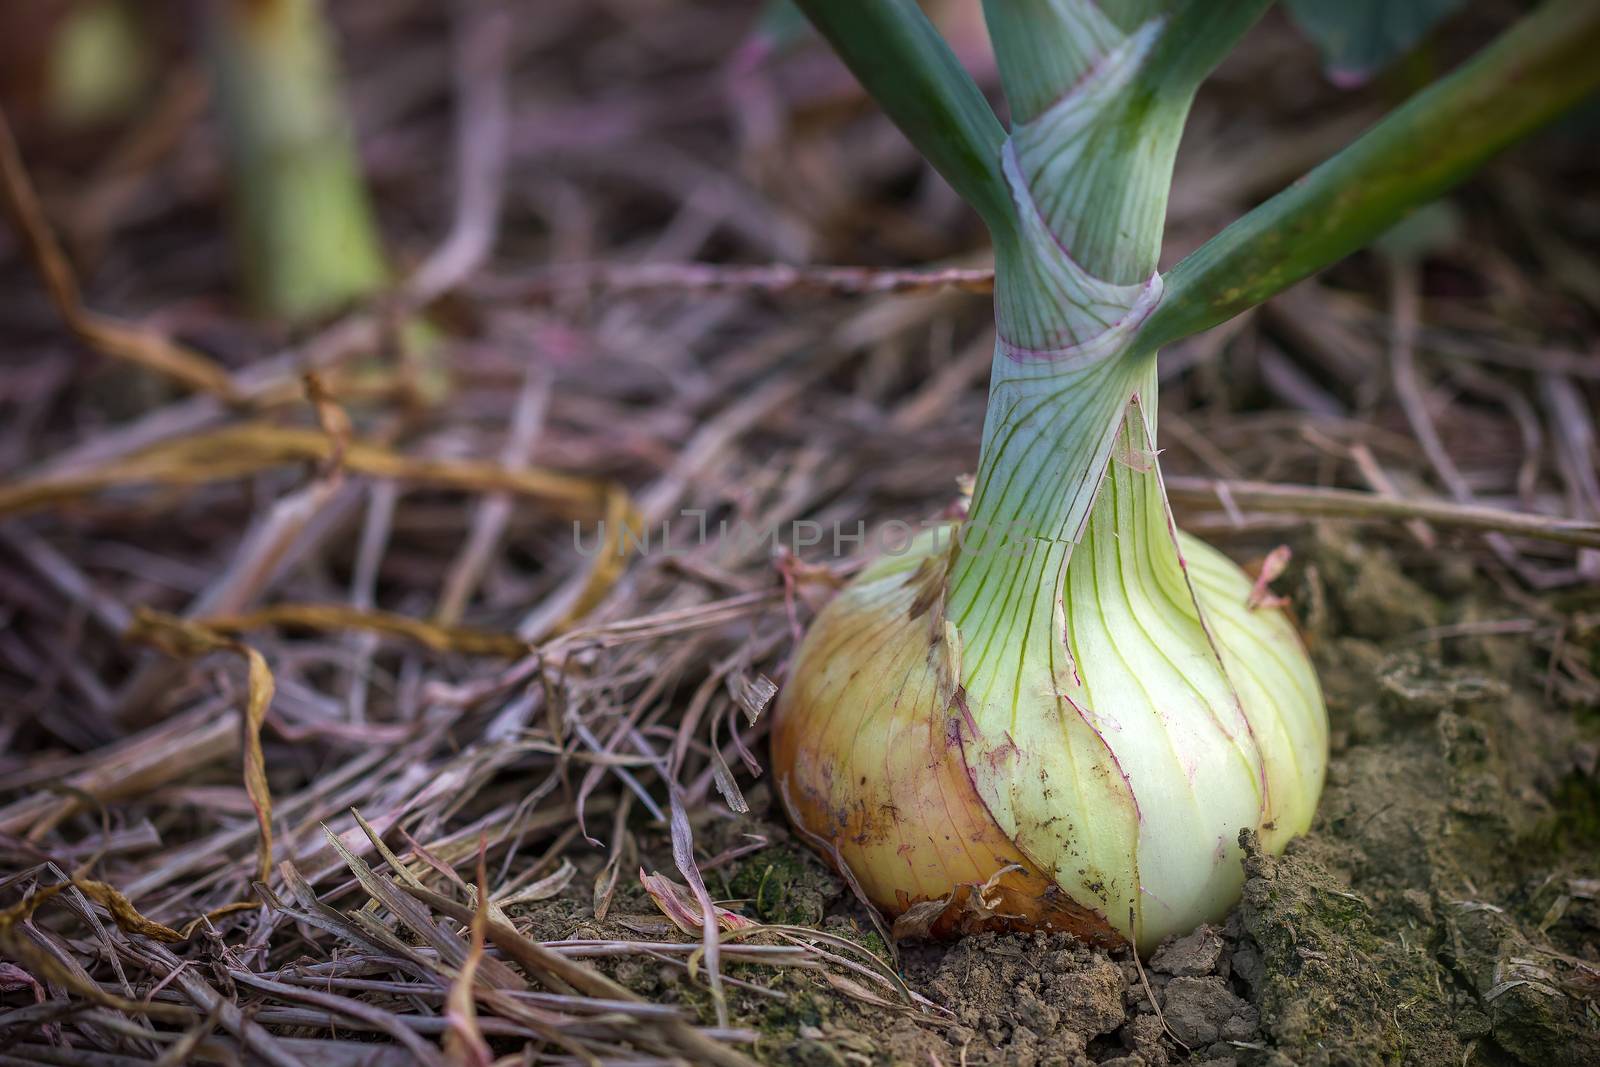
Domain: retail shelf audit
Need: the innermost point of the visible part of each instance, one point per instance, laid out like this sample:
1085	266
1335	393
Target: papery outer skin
866	744
1141	716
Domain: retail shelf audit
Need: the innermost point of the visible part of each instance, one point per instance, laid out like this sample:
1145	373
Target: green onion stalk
1059	710
307	238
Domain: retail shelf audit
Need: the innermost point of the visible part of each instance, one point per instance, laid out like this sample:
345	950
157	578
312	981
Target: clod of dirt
1412	686
1327	980
1143	1037
1195	954
1034	1000
1363	591
1528	991
1202	1010
787	885
810	1052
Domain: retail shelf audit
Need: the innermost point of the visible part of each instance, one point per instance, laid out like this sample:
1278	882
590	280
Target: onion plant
308	241
1059	710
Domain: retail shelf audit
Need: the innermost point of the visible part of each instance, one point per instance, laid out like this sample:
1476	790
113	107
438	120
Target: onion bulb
1098	744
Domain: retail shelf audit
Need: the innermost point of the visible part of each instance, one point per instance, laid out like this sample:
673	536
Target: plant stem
1531	74
308	239
1047	46
1089	167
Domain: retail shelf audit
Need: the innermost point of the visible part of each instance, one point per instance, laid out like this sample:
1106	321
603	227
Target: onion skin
870	768
1137	721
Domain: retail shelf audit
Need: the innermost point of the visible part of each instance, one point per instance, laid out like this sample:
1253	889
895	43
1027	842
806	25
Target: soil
1445	909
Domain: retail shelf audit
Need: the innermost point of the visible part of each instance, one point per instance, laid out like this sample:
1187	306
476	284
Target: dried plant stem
775	278
547	964
109	337
1353	504
250	447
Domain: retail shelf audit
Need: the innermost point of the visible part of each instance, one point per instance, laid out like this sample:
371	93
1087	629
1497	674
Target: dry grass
391	707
